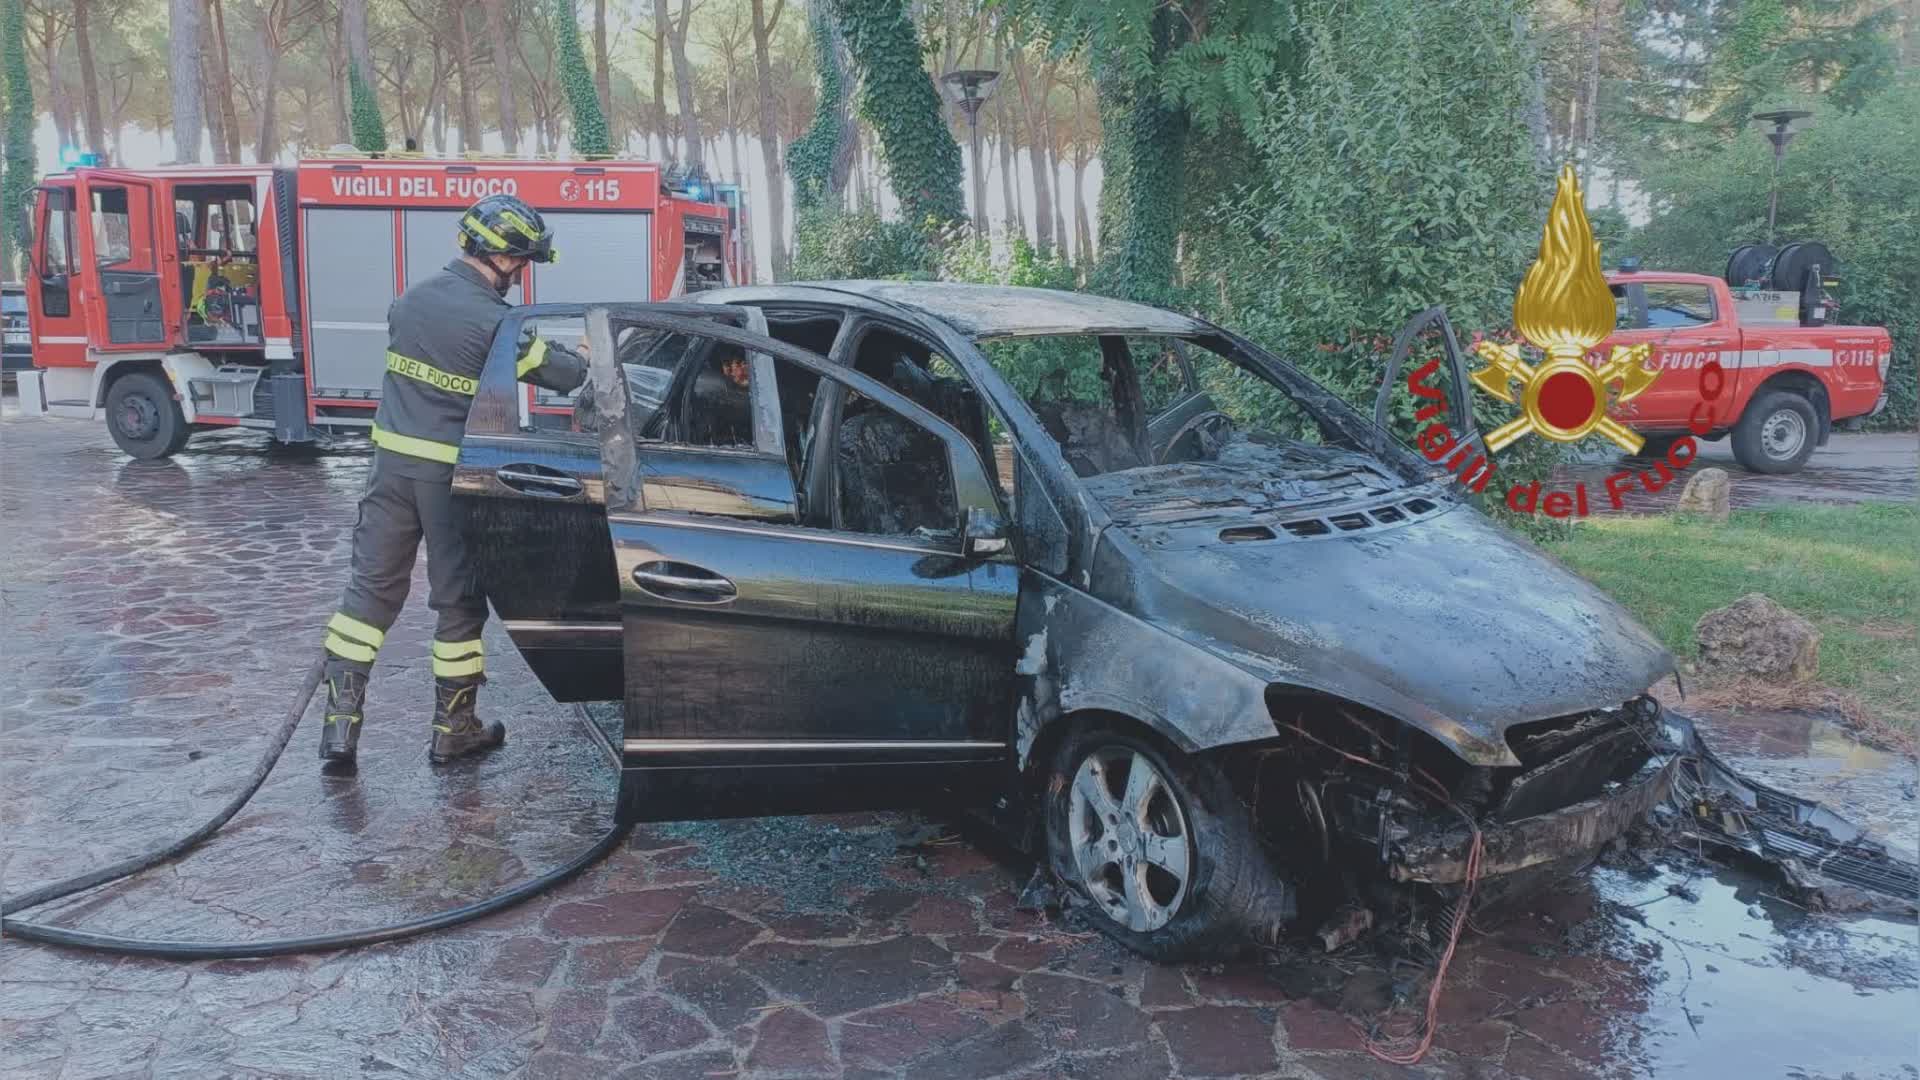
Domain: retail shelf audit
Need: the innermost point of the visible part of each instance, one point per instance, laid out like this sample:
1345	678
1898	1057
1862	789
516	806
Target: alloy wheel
1131	844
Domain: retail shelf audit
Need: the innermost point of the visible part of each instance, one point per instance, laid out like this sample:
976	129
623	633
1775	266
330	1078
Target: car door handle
538	481
683	582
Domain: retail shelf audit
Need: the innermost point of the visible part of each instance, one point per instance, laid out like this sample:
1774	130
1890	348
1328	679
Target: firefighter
439	333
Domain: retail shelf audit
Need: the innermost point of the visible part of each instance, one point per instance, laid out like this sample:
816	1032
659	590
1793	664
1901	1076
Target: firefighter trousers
396	512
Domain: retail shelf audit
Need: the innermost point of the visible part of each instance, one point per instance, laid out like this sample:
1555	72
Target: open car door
532	506
1453	378
120	249
793	644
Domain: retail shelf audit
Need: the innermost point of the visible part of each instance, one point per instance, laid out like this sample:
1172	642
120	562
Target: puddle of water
1815	759
1748	986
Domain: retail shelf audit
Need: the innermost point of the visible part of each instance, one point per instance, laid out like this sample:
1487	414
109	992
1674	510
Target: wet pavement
157	618
1850	468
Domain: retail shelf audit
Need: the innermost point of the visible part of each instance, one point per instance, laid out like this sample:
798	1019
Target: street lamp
970	90
1782	133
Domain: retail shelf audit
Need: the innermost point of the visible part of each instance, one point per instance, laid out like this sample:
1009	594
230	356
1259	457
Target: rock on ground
1755	636
1708	493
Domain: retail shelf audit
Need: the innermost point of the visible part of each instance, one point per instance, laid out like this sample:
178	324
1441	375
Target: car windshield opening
1170	427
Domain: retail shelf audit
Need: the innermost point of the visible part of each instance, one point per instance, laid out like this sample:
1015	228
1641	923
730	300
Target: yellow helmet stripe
487	234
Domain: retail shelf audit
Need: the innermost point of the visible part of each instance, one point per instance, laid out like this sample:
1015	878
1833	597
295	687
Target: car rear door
533	509
779	667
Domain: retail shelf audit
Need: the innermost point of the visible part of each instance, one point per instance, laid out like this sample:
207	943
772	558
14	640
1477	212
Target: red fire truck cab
190	297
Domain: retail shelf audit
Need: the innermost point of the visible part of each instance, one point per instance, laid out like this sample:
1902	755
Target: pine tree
369	130
19	179
589	123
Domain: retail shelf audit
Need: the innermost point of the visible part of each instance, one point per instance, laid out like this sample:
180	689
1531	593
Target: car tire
143	417
1186	814
1776	434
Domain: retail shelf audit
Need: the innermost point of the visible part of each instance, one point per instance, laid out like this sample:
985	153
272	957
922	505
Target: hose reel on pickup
1806	268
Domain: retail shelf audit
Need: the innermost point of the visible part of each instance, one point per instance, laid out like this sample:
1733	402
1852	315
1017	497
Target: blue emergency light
72	157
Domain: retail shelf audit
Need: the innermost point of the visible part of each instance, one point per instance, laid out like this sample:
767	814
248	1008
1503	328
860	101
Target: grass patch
1853	571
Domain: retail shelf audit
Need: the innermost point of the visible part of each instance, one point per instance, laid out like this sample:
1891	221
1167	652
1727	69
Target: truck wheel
1776	434
1165	854
145	420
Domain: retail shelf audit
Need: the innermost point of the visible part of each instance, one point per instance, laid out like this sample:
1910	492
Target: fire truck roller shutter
432	241
603	257
349	265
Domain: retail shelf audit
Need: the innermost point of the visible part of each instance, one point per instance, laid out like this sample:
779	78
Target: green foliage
830	243
1851	181
1396	175
19	178
369	130
590	138
810	157
1145	141
898	99
1212	62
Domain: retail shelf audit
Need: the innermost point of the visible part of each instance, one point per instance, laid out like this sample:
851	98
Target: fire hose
225	950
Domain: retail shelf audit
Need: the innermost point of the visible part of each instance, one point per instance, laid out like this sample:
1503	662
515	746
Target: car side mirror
985	534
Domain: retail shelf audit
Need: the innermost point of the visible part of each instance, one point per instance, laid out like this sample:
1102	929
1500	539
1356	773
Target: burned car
865	544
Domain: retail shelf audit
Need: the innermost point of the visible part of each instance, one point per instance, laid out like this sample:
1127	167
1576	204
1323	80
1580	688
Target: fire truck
192	298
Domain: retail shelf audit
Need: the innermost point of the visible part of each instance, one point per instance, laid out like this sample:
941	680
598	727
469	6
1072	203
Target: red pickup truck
1787	383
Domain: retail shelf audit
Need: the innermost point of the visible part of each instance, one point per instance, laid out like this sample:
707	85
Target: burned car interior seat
893	476
1096	436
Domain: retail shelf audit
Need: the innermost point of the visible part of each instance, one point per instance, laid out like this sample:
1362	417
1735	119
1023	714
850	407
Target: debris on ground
1756	636
1830	862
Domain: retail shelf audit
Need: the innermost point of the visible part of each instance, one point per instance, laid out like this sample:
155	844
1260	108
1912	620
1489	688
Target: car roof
987	311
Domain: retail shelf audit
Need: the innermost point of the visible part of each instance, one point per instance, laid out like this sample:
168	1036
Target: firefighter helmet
505	225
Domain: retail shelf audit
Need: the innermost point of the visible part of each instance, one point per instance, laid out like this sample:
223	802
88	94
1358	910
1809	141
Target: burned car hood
1415	605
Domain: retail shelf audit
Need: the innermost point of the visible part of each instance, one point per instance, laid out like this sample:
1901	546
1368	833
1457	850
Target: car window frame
970	479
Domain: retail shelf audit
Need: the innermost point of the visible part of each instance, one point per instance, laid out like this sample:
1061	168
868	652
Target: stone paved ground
157	616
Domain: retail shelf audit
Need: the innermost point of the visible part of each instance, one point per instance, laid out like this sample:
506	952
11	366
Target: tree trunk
89	86
500	29
213	88
339	94
763	27
183	77
1082	230
1036	157
682	75
223	85
269	141
602	77
1593	80
660	80
463	71
1016	213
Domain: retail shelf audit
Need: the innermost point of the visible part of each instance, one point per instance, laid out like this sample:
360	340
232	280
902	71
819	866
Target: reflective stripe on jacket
438	335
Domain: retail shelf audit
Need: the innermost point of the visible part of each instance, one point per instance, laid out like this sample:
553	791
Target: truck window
112	226
1671	304
56	224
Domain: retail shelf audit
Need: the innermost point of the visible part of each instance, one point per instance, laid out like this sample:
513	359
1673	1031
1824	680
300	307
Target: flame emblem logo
1564	308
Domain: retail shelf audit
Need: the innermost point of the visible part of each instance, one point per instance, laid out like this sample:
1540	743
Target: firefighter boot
457	730
340	724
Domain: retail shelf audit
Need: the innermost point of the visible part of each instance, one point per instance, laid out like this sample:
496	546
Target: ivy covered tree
818	160
369	130
898	100
590	138
1171	78
18	180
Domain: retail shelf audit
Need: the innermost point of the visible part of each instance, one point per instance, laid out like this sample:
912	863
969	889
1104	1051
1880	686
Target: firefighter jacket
438	335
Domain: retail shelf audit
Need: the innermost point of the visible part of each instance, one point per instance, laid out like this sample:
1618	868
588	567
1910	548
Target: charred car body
862	544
